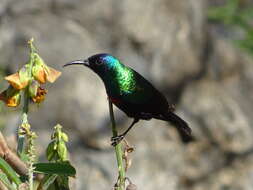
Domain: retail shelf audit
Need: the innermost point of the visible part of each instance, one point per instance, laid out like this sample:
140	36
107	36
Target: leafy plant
19	171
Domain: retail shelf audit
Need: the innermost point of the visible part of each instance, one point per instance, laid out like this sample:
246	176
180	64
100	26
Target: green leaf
47	181
55	168
7	169
4	179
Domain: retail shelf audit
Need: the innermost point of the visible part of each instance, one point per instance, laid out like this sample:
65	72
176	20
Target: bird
133	94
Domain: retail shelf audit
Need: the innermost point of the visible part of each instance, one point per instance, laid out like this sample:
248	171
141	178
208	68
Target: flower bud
38	70
24	75
64	137
50	151
33	88
62	150
42	72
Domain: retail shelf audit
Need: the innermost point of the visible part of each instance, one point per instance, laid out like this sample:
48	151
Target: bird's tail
182	127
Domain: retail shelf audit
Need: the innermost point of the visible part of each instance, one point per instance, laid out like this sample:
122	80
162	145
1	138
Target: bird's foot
116	140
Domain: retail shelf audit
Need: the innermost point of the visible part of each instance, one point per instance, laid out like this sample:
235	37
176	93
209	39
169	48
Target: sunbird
133	94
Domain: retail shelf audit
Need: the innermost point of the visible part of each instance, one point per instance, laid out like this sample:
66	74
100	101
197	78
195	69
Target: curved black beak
78	62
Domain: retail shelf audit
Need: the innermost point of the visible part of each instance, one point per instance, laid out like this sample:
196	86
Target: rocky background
172	43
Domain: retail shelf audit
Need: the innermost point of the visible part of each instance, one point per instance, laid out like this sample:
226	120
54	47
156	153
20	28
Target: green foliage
57	153
4	179
63	168
10	173
234	15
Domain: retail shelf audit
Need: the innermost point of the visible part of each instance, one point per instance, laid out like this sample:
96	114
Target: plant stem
21	135
24	128
118	151
31	155
30	135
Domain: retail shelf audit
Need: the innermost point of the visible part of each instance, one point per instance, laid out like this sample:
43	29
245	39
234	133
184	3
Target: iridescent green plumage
121	80
126	80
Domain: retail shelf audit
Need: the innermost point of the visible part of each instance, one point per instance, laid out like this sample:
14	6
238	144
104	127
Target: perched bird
133	94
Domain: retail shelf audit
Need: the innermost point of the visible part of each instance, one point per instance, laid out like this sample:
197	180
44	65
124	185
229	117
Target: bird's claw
116	140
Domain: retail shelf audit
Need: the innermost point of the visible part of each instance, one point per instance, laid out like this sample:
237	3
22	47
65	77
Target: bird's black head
98	62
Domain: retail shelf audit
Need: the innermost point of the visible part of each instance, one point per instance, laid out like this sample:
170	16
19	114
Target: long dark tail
182	127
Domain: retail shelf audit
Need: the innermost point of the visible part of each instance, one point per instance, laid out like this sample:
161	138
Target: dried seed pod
131	186
130	149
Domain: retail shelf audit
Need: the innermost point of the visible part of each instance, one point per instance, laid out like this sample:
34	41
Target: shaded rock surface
171	44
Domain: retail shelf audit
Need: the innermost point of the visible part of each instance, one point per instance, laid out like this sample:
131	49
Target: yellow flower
11	97
42	73
52	74
40	96
19	80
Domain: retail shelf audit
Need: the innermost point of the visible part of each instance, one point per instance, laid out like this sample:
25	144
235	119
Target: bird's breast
116	101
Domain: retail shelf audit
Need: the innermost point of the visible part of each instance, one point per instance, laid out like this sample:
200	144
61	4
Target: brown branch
15	162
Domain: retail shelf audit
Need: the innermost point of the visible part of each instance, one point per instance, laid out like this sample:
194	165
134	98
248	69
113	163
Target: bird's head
99	63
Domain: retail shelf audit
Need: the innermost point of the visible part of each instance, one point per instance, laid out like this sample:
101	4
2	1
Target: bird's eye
99	62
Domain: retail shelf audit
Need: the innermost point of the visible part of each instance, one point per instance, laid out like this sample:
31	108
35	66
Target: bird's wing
143	91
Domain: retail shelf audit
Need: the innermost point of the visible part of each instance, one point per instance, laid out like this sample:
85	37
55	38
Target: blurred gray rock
171	44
